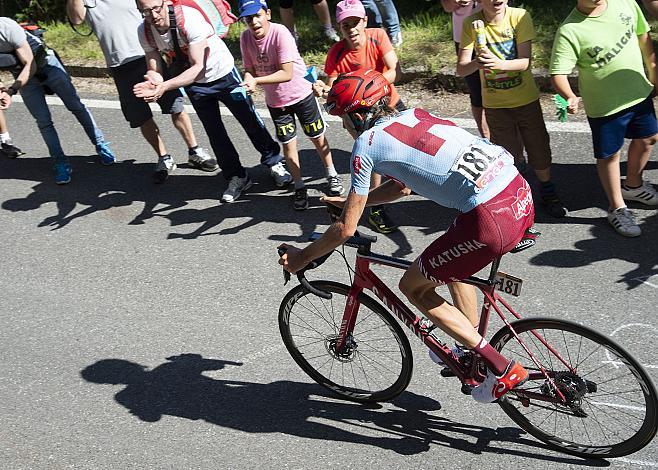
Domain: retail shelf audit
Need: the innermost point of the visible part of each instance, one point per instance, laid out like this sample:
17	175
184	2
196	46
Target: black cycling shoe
381	222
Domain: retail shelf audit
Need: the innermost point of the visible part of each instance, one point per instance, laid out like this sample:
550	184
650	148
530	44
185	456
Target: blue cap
250	7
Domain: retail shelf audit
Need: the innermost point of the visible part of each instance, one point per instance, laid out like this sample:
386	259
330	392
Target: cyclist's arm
388	191
339	232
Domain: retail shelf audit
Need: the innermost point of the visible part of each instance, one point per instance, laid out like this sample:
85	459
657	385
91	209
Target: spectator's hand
5	99
154	77
148	91
318	88
249	83
488	60
573	101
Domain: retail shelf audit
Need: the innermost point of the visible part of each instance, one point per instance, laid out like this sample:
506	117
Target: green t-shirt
504	89
606	51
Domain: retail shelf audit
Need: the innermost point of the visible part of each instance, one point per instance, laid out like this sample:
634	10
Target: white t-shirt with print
220	62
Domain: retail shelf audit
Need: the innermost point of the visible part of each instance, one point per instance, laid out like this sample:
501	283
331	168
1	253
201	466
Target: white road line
643	463
552	126
624	407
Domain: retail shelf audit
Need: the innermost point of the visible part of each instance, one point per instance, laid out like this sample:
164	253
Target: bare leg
3	123
465	299
322	10
288	18
324	151
638	155
609	175
183	123
292	159
421	293
481	121
151	133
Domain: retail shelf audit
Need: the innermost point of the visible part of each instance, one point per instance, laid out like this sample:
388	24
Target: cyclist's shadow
179	388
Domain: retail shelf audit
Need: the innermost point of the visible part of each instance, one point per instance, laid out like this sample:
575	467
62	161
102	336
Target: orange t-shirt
341	60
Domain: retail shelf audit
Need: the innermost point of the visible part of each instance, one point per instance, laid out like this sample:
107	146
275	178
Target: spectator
7	147
115	24
271	59
209	78
461	9
40	72
510	95
382	13
616	93
321	9
362	48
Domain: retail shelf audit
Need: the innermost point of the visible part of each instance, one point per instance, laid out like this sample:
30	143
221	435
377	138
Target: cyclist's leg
465	299
422	294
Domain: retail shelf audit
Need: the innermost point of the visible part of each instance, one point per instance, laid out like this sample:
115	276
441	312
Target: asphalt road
138	322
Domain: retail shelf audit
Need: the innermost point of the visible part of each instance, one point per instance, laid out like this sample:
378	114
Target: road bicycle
585	394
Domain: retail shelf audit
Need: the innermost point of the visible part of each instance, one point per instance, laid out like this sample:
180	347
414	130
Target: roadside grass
426	30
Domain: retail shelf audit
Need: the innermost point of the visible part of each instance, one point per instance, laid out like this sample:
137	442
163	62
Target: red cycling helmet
356	90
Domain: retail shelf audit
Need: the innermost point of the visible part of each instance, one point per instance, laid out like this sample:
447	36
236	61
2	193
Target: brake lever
286	274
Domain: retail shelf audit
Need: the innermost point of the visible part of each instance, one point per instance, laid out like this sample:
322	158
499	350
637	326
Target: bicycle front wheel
376	362
601	403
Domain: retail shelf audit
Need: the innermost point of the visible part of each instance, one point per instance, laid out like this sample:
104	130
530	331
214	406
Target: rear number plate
508	284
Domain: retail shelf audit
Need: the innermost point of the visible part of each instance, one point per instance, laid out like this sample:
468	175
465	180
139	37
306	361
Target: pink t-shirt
458	17
265	57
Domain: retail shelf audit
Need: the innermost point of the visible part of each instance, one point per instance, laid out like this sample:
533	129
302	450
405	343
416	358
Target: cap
348	8
250	7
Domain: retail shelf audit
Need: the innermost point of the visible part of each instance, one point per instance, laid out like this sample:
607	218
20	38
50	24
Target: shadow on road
179	388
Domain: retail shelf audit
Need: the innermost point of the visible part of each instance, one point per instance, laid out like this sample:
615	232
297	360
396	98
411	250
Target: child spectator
362	48
609	44
461	9
382	13
271	59
509	93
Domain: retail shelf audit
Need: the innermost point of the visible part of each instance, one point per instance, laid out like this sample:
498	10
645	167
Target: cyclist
435	159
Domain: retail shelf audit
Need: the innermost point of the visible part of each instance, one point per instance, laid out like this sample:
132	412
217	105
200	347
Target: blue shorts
636	122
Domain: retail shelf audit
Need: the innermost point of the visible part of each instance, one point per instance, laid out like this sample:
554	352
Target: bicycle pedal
467	389
446	372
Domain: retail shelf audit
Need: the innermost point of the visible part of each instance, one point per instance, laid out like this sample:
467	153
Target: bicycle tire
632	407
319	320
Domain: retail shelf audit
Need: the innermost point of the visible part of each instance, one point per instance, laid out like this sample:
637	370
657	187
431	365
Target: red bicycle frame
365	278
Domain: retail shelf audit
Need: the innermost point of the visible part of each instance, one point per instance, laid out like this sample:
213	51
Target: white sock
5	139
331	171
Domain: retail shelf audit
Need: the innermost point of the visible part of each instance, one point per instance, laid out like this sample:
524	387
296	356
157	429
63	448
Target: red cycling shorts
480	235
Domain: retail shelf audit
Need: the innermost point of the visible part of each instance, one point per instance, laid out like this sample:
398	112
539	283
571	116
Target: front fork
349	317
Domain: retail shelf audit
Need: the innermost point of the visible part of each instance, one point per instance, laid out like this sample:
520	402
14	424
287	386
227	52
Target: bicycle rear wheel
610	407
376	363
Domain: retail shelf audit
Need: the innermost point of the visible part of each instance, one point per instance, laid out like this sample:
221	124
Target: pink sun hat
349	8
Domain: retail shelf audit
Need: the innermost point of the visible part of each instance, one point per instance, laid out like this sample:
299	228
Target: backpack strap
173	29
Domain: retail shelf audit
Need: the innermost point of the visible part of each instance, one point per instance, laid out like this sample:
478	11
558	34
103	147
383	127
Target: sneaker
335	185
282	177
381	222
166	165
300	199
202	161
644	194
458	350
623	222
553	206
236	186
495	387
11	151
63	173
396	39
331	33
104	152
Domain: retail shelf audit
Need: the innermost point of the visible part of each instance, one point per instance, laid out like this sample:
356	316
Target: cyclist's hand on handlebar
291	260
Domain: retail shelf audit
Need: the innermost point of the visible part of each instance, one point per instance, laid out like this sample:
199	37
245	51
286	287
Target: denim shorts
636	122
